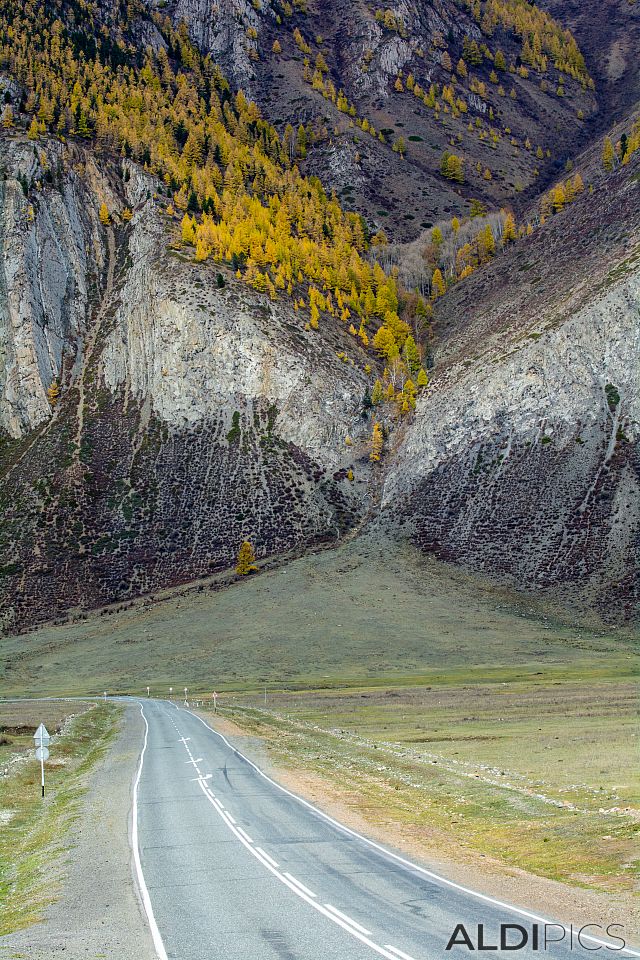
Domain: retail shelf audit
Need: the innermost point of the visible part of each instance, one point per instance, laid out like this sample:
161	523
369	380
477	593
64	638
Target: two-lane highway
232	865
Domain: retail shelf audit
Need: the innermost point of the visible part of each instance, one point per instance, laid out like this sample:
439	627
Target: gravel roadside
98	913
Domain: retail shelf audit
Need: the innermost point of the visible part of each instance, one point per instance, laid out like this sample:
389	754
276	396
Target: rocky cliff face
48	265
195	413
191	416
523	457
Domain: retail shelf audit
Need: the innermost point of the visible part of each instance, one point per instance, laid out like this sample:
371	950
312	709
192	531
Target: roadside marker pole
42	738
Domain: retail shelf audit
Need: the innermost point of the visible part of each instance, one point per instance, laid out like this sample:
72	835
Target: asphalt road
233	866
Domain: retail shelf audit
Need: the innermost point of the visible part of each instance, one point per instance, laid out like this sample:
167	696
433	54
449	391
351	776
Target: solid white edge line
267	857
407	863
244	834
299	883
398	953
296	889
142	886
349	920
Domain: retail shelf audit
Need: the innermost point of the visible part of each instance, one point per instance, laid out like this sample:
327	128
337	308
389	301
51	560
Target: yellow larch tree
246	562
377	442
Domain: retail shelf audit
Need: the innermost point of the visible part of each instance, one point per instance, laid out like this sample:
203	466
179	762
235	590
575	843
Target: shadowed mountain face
191	410
610	42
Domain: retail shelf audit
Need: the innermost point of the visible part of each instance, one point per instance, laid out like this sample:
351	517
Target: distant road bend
232	865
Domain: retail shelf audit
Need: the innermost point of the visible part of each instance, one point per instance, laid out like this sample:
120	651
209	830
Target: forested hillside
236	245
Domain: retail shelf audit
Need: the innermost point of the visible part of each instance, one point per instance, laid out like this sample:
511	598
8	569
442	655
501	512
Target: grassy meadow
368	612
534	773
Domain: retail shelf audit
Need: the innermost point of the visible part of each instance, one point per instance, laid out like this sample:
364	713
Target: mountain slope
610	43
523	457
198	346
495	118
193	416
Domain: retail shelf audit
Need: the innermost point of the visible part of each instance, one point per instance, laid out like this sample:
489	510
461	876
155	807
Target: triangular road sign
41	736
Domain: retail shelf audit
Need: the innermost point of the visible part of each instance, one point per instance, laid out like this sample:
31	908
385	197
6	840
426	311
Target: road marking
144	892
182	739
229	817
244	834
412	867
297	882
398	953
199	760
267	857
296	888
347	919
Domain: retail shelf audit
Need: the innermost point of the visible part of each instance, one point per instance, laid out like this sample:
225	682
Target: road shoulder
98	912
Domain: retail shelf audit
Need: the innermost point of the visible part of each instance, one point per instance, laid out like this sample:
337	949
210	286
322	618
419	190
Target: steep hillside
523	456
200	344
429	77
610	42
190	417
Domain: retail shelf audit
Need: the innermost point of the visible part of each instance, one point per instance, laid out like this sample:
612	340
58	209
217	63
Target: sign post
214	696
42	738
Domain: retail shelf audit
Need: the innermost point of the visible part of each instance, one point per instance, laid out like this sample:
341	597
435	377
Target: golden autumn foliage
377	442
608	154
438	287
509	231
543	38
233	178
246	562
53	393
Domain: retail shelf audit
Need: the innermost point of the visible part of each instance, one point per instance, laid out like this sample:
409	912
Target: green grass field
366	612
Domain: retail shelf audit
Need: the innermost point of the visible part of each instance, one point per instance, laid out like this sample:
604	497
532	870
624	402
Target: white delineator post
42	738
